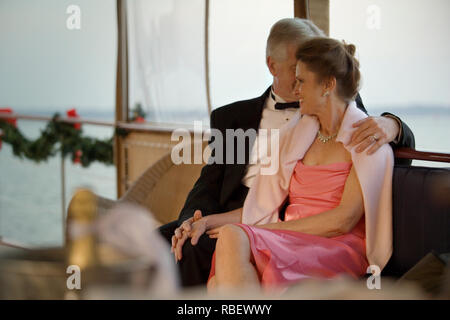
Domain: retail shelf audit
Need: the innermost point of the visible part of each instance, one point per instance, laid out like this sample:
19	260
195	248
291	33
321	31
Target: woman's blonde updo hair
332	58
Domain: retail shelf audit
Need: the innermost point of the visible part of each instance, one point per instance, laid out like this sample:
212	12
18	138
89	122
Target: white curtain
166	47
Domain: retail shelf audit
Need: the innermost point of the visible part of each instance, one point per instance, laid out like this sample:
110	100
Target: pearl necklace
325	139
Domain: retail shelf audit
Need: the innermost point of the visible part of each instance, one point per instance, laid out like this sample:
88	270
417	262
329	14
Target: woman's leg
234	267
211	284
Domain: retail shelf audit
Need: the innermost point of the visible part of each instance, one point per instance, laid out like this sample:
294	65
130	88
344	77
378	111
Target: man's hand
374	132
179	233
182	233
214	233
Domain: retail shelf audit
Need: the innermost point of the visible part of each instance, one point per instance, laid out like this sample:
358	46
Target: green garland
59	137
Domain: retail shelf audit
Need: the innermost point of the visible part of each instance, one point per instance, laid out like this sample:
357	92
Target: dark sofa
421	216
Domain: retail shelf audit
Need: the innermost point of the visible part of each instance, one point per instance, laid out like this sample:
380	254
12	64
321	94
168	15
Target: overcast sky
45	65
406	61
404	53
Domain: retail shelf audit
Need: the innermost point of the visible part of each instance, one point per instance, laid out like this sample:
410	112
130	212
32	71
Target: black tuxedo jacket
219	188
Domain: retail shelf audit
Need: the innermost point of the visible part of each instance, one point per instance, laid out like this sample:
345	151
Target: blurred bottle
81	240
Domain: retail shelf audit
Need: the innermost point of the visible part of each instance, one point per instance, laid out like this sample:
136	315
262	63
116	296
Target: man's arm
205	194
387	128
405	138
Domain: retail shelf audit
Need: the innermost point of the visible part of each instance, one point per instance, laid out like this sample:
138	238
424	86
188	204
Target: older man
223	187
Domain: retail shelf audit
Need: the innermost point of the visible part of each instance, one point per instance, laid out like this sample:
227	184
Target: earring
325	94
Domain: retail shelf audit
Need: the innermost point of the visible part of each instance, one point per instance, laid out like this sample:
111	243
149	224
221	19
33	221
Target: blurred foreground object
432	274
119	250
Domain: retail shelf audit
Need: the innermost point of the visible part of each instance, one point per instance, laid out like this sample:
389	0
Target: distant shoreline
411	110
109	115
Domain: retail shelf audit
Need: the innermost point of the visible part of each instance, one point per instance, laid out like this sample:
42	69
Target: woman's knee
231	239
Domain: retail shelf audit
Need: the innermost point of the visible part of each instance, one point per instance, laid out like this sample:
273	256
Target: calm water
30	193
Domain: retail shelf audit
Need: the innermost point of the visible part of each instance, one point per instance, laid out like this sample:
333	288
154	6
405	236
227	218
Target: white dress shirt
271	119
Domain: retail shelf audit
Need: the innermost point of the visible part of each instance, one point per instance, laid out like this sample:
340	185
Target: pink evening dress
285	257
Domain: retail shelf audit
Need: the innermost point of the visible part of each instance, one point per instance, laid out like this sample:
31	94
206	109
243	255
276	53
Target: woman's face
309	90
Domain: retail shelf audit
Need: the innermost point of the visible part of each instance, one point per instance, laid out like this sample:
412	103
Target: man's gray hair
287	31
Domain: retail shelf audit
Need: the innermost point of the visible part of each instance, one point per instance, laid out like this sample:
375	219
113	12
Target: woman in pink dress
283	256
323	234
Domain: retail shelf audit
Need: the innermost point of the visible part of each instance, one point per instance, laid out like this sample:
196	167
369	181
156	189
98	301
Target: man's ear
271	65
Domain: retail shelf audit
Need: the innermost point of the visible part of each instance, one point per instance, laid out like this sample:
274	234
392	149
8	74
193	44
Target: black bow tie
282	106
285	105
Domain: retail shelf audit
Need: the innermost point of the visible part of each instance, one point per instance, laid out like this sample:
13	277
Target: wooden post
121	113
301	9
208	90
317	11
63	197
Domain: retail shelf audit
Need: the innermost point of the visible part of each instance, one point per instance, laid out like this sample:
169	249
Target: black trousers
195	264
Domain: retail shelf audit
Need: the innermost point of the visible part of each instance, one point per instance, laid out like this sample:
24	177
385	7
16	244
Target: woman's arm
334	222
221	219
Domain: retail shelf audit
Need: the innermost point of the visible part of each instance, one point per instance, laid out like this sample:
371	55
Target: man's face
283	71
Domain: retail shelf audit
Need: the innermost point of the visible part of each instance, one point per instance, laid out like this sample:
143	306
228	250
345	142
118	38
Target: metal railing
137	127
